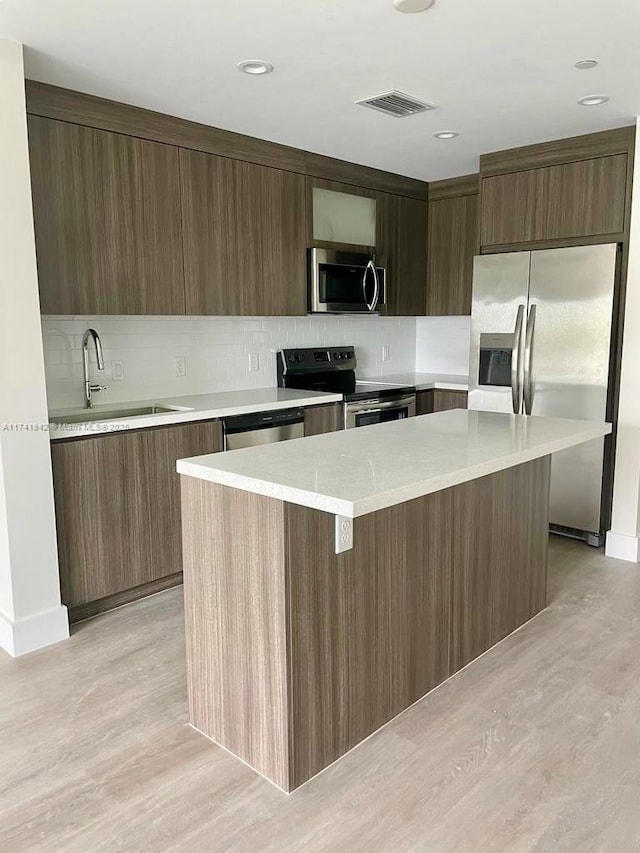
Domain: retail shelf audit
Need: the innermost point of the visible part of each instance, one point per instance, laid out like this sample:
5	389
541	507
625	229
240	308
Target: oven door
345	283
368	412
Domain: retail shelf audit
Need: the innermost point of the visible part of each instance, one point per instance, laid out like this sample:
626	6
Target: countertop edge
355	509
101	428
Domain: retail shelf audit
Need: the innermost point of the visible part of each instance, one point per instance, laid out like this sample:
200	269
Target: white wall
442	345
623	540
216	351
30	611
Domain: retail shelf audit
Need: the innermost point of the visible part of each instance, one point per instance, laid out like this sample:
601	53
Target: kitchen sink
112	414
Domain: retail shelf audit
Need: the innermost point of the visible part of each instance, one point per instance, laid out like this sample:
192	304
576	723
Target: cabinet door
571	200
107	221
424	402
453	239
510	207
321	419
402	238
586	198
244	237
118	507
445	400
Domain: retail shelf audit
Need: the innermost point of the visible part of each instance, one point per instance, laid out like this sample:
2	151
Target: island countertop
359	471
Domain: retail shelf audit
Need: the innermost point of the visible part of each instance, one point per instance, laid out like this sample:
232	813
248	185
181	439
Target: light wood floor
535	747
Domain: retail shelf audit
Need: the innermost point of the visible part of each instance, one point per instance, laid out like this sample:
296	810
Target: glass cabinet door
344	218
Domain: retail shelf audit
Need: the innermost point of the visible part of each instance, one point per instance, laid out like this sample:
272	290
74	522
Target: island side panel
499	557
235	620
369	627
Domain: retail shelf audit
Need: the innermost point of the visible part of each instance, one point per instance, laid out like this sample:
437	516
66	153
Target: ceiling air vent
396	104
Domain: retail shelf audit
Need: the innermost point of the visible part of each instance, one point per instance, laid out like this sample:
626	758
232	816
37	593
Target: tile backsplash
217	352
442	345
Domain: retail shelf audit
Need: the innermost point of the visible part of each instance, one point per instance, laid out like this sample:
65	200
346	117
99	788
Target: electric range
333	369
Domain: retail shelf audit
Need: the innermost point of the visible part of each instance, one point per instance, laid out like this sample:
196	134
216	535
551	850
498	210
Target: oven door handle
370	407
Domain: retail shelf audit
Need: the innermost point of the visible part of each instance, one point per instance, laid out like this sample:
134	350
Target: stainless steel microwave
346	283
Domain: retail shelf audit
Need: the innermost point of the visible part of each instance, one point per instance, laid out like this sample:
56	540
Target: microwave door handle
364	285
376	294
516	361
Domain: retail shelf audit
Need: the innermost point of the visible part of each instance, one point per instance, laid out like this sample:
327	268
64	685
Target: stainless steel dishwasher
262	428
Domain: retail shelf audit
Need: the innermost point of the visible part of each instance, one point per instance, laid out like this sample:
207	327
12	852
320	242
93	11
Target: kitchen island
332	581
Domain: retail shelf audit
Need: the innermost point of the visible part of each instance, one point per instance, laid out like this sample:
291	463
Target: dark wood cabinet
402	231
107	221
440	401
452	244
321	419
245	234
117	502
401	238
565	201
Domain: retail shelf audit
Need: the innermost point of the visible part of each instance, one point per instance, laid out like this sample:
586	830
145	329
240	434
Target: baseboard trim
36	632
623	547
80	612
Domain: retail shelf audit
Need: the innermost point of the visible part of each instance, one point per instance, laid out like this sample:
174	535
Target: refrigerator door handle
528	361
516	359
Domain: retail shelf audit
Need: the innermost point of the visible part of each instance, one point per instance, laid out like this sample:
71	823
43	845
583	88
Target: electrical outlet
117	370
386	353
180	364
254	362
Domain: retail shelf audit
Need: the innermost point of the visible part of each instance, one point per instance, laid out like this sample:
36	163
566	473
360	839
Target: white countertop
200	407
358	471
423	381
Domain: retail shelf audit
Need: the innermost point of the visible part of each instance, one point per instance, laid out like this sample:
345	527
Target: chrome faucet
88	387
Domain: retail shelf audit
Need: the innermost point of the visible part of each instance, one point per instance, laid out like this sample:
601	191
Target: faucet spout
97	343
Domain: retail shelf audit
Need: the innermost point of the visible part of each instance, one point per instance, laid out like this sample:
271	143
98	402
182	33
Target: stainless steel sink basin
90	415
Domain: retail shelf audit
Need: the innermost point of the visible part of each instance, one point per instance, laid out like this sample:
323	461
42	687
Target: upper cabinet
453	242
402	239
245	237
530	195
107	221
342	217
393	226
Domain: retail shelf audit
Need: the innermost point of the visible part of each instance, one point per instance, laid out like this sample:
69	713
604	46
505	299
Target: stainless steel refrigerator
542	342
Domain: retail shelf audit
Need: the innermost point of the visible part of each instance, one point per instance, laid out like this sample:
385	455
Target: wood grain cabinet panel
586	198
245	234
321	419
453	242
440	401
118	508
571	200
107	221
510	208
401	227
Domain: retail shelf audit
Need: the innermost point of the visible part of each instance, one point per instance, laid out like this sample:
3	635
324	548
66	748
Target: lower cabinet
118	512
440	401
320	419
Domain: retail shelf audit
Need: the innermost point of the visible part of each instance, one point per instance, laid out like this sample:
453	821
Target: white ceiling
501	71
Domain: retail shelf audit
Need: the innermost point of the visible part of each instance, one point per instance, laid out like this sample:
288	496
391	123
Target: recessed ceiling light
413	5
593	100
446	134
585	64
255	66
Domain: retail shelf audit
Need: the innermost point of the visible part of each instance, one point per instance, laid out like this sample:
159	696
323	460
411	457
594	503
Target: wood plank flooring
534	747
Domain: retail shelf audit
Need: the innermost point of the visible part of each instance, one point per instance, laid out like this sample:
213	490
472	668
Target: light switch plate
386	353
117	370
254	362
